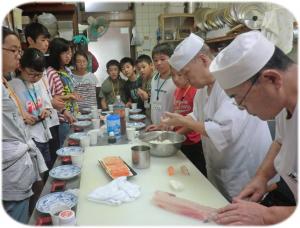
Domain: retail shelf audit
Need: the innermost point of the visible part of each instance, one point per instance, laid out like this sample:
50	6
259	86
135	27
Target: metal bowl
163	149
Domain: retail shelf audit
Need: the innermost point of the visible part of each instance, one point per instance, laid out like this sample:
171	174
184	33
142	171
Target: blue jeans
18	210
44	148
64	129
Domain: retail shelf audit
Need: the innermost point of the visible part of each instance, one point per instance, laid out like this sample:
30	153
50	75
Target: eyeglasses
240	104
14	51
34	74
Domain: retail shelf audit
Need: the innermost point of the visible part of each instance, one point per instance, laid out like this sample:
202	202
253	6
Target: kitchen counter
142	211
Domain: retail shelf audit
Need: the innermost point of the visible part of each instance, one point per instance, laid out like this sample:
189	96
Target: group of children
50	93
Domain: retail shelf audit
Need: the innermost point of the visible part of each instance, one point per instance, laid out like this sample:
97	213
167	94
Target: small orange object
171	171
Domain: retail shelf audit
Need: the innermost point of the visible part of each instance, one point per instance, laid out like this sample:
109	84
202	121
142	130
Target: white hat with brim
246	55
186	51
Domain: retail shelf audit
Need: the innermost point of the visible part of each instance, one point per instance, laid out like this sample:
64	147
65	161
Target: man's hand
254	190
172	119
242	212
153	127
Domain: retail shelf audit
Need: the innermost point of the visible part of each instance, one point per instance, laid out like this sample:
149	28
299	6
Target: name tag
156	106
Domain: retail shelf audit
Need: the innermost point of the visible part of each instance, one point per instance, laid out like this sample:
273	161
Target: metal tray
131	173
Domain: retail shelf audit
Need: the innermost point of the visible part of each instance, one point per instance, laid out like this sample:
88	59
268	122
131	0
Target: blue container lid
113	117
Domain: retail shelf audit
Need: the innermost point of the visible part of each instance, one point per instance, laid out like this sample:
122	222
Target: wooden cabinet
175	27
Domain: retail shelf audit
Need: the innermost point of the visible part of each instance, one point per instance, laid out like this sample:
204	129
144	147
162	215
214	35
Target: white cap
246	55
186	51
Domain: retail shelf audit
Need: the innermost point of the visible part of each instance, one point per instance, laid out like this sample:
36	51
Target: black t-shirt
131	88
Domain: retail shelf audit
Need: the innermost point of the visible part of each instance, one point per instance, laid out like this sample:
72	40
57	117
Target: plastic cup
85	141
95	114
55	209
93	137
67	218
134	105
96	123
77	159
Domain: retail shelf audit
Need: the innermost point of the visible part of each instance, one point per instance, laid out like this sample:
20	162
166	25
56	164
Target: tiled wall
146	17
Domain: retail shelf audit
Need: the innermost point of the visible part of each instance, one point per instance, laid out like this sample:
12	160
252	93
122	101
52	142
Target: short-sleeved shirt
162	97
67	79
110	89
85	86
183	105
131	88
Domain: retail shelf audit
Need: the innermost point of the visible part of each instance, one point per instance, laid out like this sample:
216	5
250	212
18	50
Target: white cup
77	159
96	123
85	141
111	108
134	105
99	111
67	218
95	114
55	209
131	133
93	136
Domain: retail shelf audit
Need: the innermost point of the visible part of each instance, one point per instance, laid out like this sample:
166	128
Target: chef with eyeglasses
263	81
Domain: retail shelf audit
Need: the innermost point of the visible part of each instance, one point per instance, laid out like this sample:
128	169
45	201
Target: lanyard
185	92
113	88
159	89
13	96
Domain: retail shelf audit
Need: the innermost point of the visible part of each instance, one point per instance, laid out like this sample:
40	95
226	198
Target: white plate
77	135
84	117
136	125
137	117
69	150
82	124
138	110
44	203
64	172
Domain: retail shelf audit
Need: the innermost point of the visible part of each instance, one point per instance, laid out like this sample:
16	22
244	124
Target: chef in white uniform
262	80
234	142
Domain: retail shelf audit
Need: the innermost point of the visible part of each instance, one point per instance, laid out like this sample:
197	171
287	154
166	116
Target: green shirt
110	89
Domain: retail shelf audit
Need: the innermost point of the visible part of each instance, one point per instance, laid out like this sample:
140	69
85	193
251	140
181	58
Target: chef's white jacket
237	142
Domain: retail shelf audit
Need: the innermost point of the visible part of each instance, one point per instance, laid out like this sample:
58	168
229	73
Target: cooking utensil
160	148
141	156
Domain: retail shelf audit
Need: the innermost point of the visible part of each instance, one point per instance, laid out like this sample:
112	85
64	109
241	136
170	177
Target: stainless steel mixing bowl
165	149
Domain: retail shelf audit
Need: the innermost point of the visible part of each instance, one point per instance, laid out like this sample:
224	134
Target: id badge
156	106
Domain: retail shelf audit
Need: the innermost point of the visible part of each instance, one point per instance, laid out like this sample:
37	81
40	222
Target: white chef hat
246	55
186	51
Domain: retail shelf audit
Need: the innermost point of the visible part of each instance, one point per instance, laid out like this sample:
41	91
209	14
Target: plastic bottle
113	124
119	108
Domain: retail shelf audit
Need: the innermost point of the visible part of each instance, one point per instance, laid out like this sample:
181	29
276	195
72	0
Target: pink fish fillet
182	206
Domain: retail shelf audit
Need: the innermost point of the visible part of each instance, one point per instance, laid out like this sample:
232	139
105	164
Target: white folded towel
116	192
